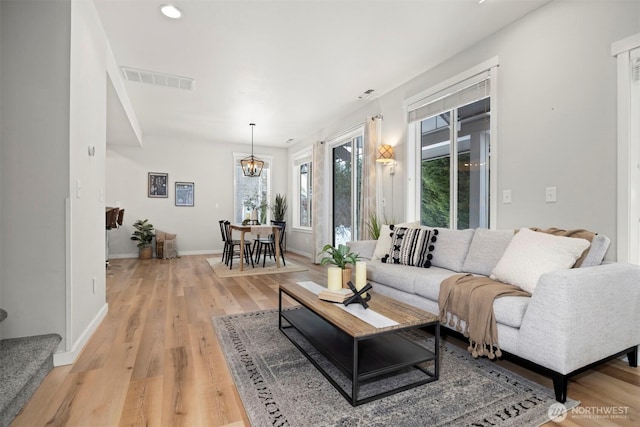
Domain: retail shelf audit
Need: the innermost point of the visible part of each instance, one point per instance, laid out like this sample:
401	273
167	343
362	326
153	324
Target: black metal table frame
354	373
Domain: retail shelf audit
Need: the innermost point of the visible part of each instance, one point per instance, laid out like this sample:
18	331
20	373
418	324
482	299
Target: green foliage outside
435	201
434	210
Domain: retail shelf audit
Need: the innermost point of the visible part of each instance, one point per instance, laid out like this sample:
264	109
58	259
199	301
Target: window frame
487	69
298	159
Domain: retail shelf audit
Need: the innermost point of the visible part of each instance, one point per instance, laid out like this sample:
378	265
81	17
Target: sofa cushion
485	250
411	246
427	284
451	248
510	310
396	276
531	254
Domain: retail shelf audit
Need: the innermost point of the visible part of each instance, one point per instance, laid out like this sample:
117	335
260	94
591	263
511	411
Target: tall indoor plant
279	208
143	235
340	257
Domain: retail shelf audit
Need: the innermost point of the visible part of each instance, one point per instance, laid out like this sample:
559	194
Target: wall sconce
385	154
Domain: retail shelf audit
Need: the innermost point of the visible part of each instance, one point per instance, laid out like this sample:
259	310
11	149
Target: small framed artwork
184	193
158	185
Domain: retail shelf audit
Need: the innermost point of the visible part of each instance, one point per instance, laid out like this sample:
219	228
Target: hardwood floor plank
142	404
155	359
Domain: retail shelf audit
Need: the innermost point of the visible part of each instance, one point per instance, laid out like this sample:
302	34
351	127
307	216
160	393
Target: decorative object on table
359	296
158	185
251	165
334	278
339	295
340	257
251	216
144	235
361	275
184	193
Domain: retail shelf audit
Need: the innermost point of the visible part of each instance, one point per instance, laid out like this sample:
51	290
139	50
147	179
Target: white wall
1	306
53	91
87	118
556	109
34	89
208	164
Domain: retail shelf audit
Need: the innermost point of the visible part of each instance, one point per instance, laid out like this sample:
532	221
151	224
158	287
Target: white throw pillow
531	254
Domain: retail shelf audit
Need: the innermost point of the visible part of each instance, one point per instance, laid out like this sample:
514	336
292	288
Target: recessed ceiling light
170	11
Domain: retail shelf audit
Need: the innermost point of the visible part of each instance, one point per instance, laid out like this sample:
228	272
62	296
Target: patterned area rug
223	270
280	387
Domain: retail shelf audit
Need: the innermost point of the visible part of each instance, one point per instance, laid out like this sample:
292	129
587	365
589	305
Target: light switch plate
551	195
506	196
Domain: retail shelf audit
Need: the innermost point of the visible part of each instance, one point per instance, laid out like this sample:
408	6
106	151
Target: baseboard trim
68	357
203	252
297	252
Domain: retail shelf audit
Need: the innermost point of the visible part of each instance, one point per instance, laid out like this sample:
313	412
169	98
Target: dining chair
224	241
264	246
231	247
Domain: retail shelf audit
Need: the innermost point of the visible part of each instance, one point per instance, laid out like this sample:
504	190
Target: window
463	149
346	152
302	189
251	192
450	129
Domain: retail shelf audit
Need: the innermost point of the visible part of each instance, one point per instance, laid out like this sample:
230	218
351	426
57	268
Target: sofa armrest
364	248
582	315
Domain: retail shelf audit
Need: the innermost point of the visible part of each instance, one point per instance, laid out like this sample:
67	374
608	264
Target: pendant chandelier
251	166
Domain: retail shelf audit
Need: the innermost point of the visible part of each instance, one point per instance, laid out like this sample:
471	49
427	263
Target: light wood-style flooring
155	359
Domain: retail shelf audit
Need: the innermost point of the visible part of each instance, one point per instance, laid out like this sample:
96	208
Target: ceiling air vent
367	94
158	79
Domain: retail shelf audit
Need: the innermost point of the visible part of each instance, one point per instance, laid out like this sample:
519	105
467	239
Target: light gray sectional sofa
574	319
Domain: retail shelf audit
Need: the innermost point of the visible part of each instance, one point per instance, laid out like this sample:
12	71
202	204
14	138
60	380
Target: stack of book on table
335	296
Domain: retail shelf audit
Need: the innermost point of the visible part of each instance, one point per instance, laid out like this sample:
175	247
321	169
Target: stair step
3	315
24	362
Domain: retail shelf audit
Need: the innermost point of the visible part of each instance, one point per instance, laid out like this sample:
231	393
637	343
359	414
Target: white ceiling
292	67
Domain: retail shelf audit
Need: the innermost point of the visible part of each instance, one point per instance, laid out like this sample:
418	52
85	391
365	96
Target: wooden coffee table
363	352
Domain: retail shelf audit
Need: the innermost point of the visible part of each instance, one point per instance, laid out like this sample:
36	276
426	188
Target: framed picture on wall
158	185
184	193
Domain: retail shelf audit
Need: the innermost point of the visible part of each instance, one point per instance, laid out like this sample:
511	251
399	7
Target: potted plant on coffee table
340	257
144	235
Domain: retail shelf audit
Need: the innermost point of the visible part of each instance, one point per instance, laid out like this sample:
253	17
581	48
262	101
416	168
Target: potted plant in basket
144	235
340	257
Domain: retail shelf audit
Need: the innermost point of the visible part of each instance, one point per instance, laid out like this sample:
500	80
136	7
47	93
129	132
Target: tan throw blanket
468	298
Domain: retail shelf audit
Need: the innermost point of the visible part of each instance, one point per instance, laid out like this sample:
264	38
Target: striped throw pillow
411	246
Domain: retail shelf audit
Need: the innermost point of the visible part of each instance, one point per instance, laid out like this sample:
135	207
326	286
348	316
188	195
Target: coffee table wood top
406	315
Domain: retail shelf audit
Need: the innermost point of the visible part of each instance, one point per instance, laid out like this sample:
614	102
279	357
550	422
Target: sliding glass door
346	188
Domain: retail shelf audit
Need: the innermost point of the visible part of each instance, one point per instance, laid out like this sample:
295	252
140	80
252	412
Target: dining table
257	230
